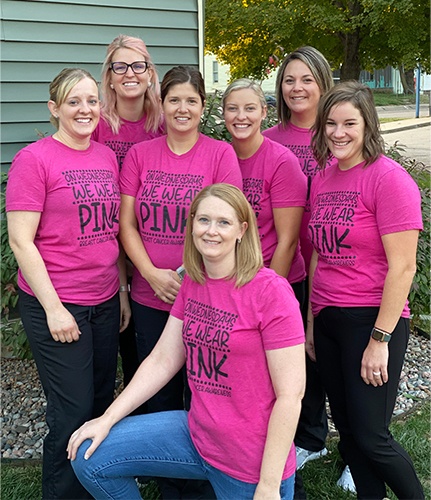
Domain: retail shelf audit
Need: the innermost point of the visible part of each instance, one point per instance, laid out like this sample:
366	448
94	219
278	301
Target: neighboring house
217	76
41	37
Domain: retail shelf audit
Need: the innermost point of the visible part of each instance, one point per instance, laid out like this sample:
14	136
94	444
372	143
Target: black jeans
312	427
149	325
78	380
362	412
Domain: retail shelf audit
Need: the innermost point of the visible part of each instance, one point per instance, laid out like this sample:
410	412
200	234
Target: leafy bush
9	268
419	297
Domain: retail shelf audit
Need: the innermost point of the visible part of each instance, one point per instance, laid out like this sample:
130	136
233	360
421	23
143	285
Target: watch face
377	335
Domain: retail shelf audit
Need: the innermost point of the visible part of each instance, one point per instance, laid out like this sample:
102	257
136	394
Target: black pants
362	412
78	379
312	427
149	325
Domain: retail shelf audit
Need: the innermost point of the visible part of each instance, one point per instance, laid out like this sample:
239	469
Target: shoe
304	456
346	480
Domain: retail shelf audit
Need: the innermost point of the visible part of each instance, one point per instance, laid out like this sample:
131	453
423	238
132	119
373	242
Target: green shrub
419	297
9	268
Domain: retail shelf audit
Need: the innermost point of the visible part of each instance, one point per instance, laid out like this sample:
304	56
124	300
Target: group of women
219	247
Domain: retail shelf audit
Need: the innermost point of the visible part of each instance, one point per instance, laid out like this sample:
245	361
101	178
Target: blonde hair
244	83
152	108
248	252
62	84
361	97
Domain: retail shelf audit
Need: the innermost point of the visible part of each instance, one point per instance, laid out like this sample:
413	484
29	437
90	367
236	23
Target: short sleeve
130	172
281	321
26	186
397	203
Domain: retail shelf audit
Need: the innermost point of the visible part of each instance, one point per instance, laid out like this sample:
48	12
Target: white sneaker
346	480
304	456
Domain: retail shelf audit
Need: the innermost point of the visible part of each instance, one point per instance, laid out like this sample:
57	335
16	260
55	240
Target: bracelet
124	288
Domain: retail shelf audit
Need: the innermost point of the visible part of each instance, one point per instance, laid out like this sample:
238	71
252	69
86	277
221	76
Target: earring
238	241
112	87
56	117
149	85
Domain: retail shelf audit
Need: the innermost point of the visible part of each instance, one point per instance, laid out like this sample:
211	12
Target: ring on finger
377	374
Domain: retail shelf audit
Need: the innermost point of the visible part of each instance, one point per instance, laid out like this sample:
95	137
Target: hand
165	283
265	492
374	366
96	430
125	312
62	325
309	341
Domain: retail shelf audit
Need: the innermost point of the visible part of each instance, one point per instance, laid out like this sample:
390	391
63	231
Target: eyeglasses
121	68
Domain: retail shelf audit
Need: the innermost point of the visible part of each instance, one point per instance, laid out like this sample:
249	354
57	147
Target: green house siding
40	38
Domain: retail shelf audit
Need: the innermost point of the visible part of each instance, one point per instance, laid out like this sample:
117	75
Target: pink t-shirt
78	196
298	140
130	133
350	212
226	332
272	178
164	185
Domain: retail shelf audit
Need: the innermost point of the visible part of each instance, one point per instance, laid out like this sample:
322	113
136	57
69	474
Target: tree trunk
407	80
351	67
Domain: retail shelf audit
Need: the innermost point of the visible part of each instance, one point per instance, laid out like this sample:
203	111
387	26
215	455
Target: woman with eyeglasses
158	182
237	327
131	113
63	203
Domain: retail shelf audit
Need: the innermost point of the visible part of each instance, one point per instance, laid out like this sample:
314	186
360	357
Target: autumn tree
252	35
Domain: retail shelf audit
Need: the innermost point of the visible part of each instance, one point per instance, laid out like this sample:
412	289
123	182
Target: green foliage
359	34
419	297
9	267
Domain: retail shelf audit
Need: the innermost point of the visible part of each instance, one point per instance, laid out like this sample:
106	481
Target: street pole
418	88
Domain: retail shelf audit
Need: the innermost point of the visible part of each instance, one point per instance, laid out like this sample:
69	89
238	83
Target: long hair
62	84
248	253
362	99
319	68
183	74
152	109
244	83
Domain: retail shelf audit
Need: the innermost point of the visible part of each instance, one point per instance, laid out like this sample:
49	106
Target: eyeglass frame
147	65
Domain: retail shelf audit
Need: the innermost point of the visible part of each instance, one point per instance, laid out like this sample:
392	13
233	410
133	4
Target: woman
63	202
245	365
130	88
158	182
272	181
365	220
304	76
131	113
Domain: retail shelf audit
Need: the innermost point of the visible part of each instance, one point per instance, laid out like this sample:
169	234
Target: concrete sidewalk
405	124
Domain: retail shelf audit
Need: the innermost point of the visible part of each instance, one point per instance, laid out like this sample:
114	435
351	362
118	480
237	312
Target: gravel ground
23	403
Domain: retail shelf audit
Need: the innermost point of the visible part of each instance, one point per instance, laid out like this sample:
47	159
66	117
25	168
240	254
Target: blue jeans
155	445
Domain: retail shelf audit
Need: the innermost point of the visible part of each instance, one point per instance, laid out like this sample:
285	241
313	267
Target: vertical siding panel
40	37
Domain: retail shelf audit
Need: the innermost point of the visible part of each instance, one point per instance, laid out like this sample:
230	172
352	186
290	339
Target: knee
82	468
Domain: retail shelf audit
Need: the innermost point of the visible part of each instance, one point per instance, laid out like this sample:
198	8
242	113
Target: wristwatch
380	335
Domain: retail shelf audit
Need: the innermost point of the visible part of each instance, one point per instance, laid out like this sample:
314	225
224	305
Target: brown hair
319	68
183	74
362	99
248	253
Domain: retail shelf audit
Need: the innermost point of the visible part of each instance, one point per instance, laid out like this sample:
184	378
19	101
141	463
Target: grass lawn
389	99
320	476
